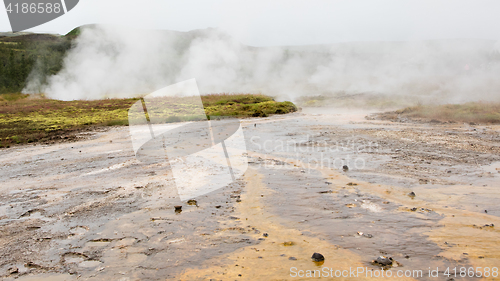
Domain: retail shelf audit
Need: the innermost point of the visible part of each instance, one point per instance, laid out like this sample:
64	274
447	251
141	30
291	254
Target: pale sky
293	22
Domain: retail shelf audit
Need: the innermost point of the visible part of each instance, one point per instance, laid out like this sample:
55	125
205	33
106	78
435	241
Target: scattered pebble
292	258
386	262
192	202
13	270
178	209
345	168
411	194
317	257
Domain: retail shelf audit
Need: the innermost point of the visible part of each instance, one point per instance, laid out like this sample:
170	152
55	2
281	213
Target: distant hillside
20	53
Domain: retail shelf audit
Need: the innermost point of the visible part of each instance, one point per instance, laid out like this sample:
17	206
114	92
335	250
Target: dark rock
178	209
192	202
317	257
411	194
292	258
218	206
265	234
345	168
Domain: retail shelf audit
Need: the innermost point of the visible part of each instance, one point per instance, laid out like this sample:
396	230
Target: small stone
486	211
192	202
292	258
411	194
13	270
382	260
288	243
345	168
317	257
178	209
218	206
265	234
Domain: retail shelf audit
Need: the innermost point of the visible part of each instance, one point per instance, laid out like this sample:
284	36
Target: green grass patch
27	119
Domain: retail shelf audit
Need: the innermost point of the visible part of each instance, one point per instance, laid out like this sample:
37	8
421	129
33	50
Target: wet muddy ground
89	210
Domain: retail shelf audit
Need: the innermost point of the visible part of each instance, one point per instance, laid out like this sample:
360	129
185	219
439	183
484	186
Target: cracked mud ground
88	210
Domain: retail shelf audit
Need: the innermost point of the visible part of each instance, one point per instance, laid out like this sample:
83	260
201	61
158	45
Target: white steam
109	61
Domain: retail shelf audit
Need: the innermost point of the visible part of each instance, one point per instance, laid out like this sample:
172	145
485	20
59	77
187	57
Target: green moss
26	119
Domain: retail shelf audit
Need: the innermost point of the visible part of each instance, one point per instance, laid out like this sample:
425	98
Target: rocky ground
89	210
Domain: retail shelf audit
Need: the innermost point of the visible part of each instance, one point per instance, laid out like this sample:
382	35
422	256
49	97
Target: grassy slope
19	55
26	119
472	112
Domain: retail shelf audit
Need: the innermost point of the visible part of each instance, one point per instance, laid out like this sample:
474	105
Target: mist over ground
110	61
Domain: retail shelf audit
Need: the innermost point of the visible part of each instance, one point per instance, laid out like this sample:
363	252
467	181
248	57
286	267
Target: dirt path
89	210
